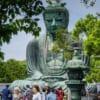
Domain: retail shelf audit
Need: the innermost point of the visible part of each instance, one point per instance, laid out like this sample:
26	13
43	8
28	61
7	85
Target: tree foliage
12	70
19	15
94	74
61	43
91	27
88	3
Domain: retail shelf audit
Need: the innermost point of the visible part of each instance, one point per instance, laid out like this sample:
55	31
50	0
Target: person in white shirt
43	94
36	92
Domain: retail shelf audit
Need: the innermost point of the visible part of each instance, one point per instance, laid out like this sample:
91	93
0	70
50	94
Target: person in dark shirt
29	93
9	96
5	93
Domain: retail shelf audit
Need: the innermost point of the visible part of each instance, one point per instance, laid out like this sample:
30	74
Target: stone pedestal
75	70
75	89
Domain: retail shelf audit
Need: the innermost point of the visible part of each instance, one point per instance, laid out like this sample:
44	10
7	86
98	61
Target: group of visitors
34	93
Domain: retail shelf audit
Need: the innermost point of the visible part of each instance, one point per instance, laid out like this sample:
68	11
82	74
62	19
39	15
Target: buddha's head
55	16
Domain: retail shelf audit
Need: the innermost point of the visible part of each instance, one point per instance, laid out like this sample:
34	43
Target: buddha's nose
53	22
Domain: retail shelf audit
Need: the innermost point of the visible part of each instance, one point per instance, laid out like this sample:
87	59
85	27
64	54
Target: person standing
10	96
46	88
28	93
60	94
16	93
51	95
43	94
98	95
36	93
5	93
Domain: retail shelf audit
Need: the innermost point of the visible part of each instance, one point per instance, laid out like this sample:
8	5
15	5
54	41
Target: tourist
51	95
5	93
28	93
36	91
43	94
60	93
9	96
16	93
27	88
46	87
83	91
98	95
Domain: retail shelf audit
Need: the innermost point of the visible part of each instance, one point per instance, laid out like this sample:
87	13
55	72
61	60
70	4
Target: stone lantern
76	72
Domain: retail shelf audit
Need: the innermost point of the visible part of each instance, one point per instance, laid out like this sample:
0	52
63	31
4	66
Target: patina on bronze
41	66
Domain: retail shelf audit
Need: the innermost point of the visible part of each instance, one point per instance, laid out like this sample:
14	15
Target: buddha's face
55	20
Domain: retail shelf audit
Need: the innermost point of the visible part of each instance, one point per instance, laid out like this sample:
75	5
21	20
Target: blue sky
17	47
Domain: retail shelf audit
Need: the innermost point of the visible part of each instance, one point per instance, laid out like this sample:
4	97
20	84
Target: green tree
90	26
18	15
61	43
94	73
12	70
88	3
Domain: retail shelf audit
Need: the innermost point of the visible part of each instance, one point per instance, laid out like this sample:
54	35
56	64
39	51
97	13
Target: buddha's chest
55	62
